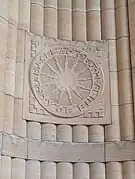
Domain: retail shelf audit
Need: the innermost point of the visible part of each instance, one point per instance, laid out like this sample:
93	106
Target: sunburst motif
67	80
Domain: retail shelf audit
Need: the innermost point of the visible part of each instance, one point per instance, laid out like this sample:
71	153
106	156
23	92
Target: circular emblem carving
65	81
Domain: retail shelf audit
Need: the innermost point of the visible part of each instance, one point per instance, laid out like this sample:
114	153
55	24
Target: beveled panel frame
98	51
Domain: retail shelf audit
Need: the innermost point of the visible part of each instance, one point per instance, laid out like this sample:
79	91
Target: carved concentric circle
65	81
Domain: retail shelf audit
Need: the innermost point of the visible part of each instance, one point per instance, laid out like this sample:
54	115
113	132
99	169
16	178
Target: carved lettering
61	82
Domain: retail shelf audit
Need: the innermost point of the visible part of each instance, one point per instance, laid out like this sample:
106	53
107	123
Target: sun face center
66	80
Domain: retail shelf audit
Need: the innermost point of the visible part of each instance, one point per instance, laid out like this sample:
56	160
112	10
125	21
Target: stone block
69	152
64	167
114	88
32	169
125	87
5	167
97	170
18	168
120	151
50	22
24	15
93	25
114	170
37	15
64	133
123	53
8	114
129	169
108	24
81	171
93	5
20	46
13	12
51	3
106	5
79	22
19	77
64	25
14	146
80	133
112	55
122	22
10	76
79	5
34	130
48	170
4	9
67	4
48	132
96	133
19	125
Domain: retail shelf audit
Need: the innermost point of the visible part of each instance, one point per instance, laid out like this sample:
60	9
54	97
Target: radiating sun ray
74	66
49	76
60	96
77	93
58	65
84	79
52	69
70	97
83	87
66	63
47	84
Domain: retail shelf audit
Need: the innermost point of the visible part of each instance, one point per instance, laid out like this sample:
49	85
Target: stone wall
34	143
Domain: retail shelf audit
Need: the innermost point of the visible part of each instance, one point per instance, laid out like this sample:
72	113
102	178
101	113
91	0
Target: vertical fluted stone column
19	125
97	170
64	170
65	19
32	169
128	170
80	133
3	47
10	69
48	132
96	133
48	170
79	20
131	15
17	168
64	133
34	130
93	20
5	167
24	15
37	16
109	33
50	18
124	72
114	170
81	171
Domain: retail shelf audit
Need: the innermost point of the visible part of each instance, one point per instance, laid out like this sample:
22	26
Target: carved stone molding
67	81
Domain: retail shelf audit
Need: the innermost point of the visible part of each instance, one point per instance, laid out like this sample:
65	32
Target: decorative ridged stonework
65	81
68	79
30	149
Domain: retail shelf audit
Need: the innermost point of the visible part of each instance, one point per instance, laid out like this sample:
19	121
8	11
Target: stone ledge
25	148
14	146
120	151
69	152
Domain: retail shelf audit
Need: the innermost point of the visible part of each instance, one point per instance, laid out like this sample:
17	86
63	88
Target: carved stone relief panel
66	81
